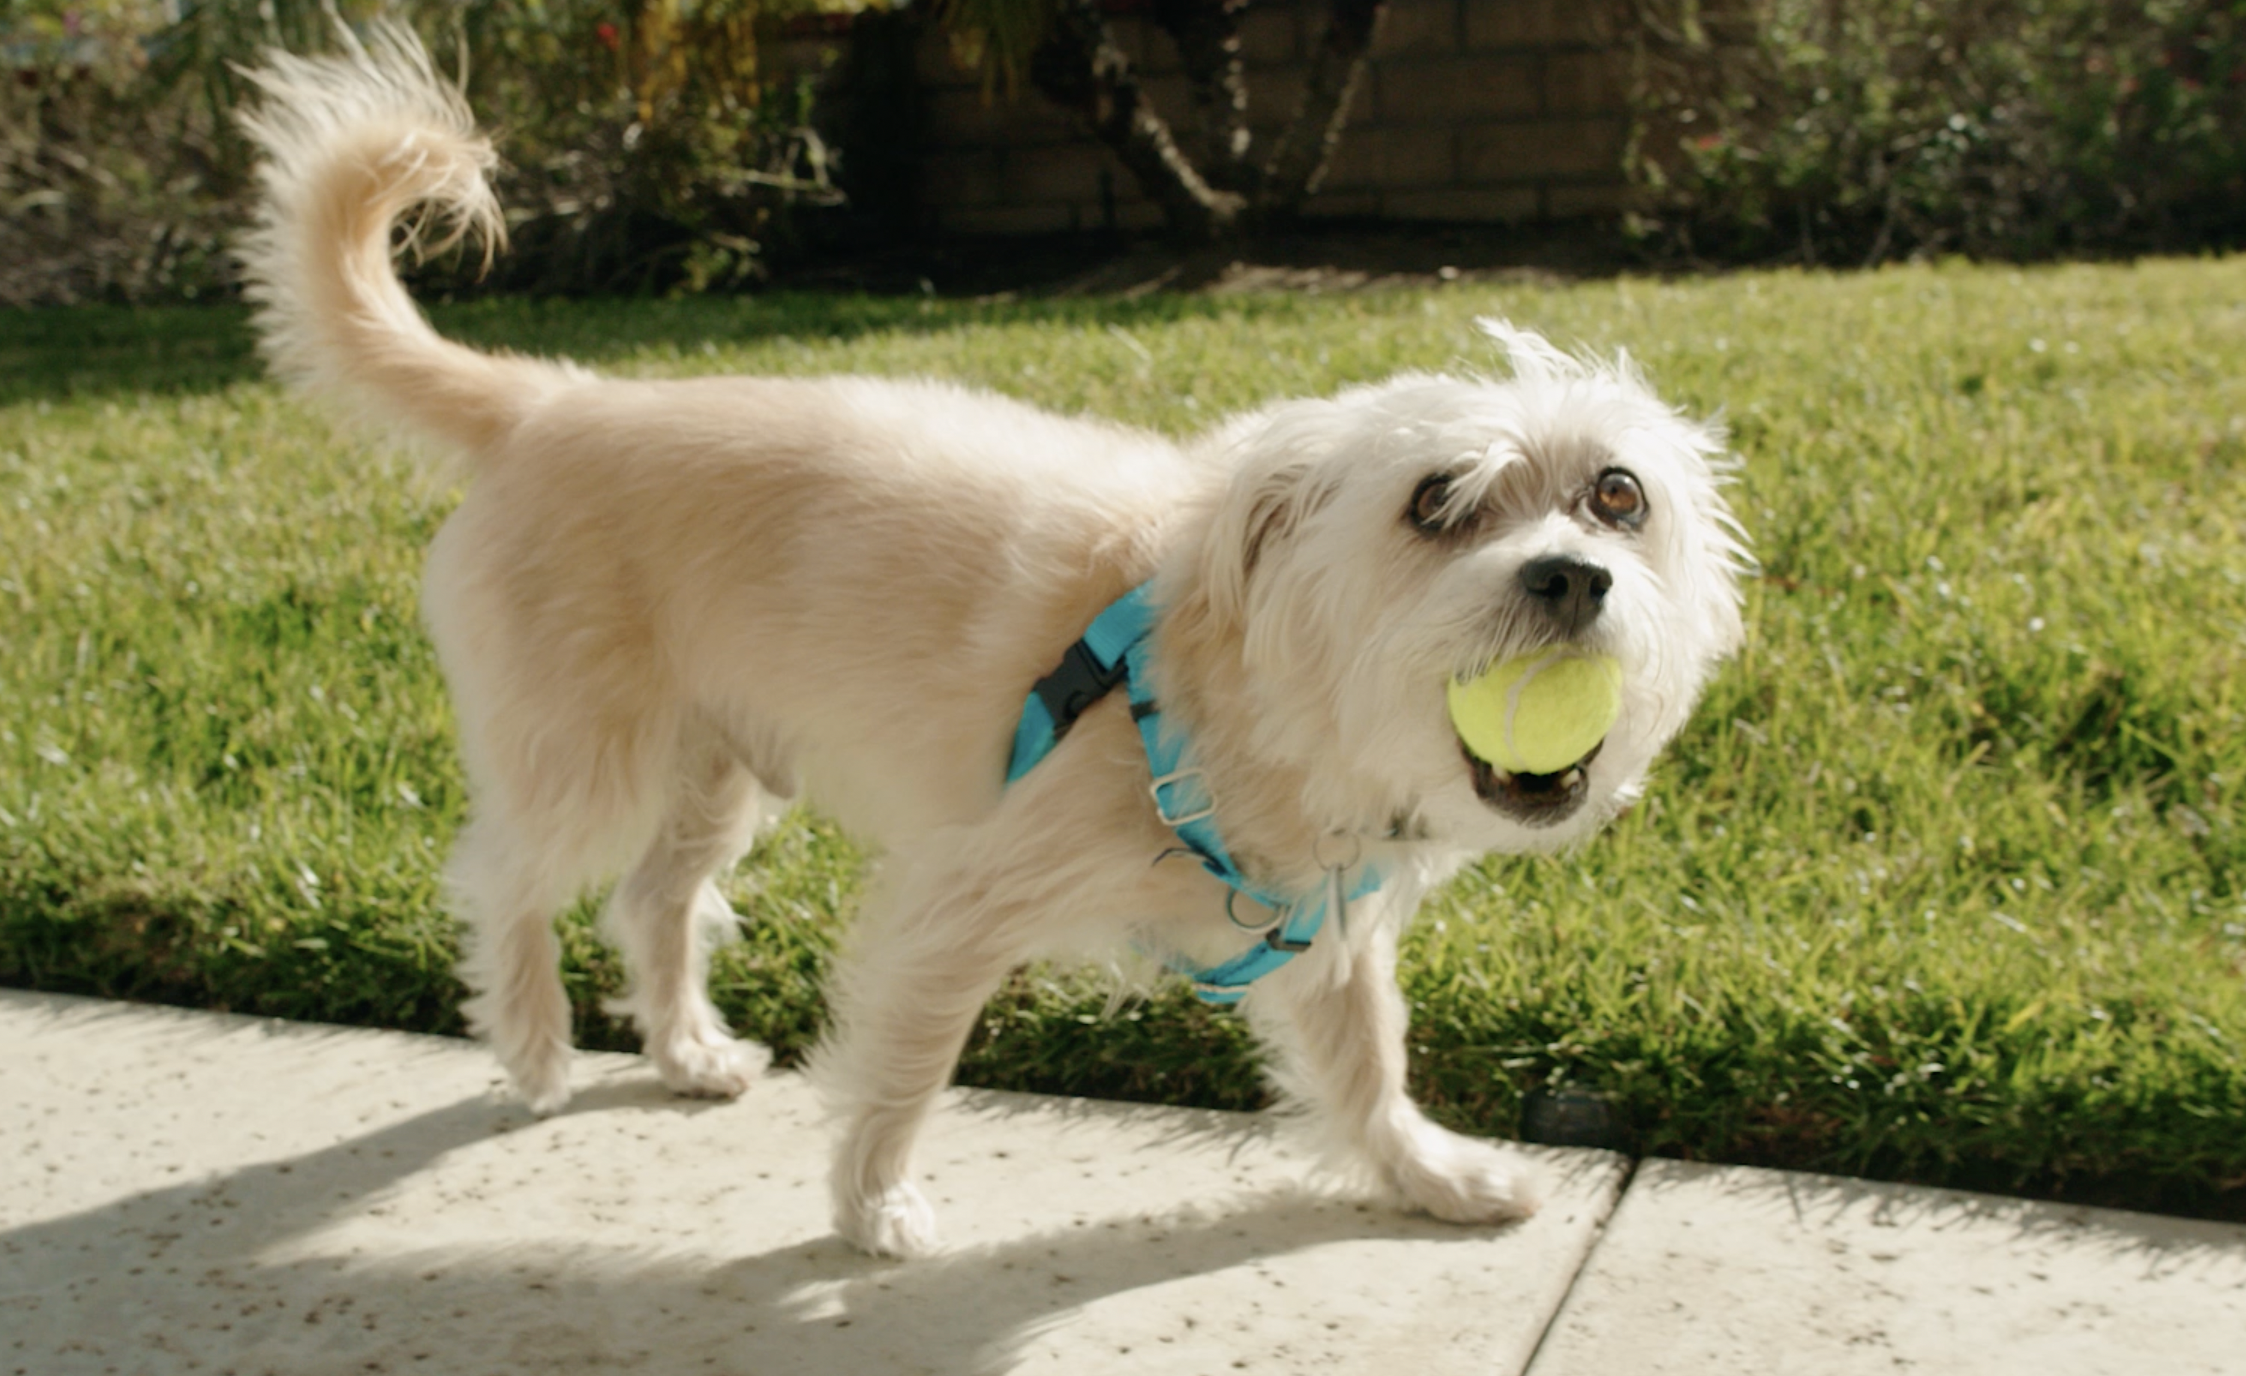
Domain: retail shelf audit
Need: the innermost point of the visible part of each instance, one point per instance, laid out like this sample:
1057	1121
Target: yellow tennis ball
1538	713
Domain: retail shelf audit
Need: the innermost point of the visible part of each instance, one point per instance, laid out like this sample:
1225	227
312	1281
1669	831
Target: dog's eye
1618	500
1428	501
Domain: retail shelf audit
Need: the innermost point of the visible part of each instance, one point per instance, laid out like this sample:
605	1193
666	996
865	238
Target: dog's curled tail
352	145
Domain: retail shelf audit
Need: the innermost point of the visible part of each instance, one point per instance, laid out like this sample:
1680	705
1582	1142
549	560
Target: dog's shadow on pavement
267	1268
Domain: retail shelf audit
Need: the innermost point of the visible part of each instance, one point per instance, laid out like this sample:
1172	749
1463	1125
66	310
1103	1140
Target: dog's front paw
530	1036
1462	1179
539	1074
710	1065
898	1222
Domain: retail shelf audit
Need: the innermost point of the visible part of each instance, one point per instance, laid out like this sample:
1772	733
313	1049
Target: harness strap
1116	650
1091	669
1227	983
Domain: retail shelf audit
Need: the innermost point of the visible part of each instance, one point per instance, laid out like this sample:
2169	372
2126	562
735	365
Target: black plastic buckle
1077	682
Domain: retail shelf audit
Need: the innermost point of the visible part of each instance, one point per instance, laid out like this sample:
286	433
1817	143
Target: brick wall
1473	110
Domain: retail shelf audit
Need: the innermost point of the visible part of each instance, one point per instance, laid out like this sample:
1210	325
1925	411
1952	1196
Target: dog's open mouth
1536	800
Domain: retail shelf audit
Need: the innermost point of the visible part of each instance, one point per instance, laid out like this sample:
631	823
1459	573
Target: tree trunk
1080	66
1207	34
1298	163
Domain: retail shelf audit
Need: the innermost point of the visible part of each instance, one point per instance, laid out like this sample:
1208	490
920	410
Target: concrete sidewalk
188	1192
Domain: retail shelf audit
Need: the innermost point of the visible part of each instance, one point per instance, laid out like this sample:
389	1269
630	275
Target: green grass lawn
1942	883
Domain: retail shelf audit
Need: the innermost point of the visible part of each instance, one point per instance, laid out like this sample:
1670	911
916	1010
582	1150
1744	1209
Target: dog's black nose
1567	589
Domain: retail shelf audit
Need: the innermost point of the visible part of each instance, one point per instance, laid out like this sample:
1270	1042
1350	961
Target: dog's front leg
929	952
1335	1025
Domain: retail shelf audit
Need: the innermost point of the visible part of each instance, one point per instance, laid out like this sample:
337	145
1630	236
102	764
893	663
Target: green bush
646	147
1832	131
108	185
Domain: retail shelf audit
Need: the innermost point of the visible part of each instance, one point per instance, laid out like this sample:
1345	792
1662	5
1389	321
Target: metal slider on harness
1179	819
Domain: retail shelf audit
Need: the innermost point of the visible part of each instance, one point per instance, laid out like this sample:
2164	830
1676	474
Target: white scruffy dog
666	608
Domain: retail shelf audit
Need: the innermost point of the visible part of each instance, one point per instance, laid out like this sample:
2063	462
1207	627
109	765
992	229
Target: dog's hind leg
667	914
1336	1030
506	900
562	793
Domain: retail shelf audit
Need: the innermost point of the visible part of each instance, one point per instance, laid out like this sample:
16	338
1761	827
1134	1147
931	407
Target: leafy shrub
1872	129
109	186
645	146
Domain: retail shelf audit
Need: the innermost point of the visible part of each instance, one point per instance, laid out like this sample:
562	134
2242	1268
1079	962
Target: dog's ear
1718	557
1534	358
1276	507
1260	513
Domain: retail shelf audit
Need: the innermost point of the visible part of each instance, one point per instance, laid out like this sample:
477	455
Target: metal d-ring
1356	850
1232	895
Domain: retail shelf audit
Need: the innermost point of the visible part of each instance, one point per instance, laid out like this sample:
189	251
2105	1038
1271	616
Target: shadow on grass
68	353
64	353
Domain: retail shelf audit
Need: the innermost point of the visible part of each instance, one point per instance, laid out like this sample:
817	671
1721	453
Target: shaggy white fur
665	608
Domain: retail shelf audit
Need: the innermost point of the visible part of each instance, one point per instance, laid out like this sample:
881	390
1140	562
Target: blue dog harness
1115	651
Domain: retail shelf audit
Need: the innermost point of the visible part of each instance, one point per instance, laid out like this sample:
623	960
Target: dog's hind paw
896	1223
1462	1180
708	1066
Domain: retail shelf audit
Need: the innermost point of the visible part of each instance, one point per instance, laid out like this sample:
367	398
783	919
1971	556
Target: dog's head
1371	547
